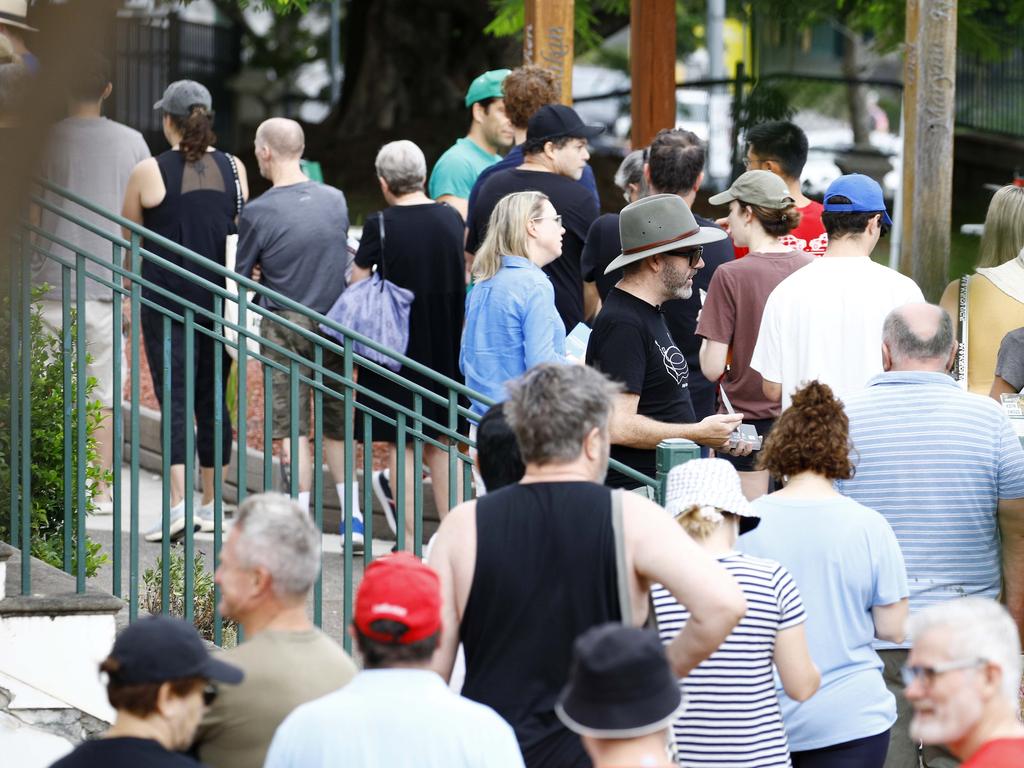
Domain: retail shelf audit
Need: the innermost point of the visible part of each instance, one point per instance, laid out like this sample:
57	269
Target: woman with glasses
848	565
511	320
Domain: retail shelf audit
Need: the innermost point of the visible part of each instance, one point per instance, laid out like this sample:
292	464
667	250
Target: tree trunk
856	95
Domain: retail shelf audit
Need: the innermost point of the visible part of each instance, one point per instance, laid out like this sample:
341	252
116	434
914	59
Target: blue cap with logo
863	192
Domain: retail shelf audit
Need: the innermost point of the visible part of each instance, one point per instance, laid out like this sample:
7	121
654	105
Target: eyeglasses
210	694
557	219
691	254
927	675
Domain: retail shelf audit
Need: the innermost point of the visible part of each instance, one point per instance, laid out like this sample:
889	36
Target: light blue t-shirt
456	170
845	560
511	326
935	461
399	718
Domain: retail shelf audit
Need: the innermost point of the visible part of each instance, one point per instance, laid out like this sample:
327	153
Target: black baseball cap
162	648
555	121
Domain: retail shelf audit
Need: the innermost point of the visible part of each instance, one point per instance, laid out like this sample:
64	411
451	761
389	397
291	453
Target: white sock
304	501
356	513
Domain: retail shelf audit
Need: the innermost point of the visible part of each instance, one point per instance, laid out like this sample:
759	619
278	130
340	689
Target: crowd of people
820	589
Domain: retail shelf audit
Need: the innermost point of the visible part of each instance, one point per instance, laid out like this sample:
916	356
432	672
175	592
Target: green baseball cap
761	188
487	86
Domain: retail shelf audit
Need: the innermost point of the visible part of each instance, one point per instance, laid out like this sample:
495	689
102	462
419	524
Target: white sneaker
382	490
176	527
204	518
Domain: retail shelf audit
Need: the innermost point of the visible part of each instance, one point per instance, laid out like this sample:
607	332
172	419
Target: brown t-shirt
732	315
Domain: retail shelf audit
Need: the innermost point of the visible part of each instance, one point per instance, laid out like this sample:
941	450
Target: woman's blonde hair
506	232
1004	227
700	522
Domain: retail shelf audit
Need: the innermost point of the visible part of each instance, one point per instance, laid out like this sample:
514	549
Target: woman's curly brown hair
813	434
527	89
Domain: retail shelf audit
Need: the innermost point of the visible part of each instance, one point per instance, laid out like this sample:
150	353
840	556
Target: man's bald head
283	137
918	337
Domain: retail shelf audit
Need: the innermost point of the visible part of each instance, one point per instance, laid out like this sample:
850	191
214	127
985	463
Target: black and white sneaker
382	490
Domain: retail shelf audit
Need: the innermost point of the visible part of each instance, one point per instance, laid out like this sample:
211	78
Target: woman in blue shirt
849	568
511	320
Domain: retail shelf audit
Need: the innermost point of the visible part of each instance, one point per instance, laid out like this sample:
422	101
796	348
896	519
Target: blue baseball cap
863	192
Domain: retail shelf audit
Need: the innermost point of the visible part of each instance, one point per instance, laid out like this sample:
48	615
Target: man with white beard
963	679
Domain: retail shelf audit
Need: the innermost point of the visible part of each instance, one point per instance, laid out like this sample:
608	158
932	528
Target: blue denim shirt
511	326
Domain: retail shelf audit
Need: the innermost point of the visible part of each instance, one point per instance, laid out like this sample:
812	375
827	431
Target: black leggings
868	752
204	349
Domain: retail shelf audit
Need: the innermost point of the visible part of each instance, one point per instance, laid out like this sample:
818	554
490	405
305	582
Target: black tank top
198	212
545	572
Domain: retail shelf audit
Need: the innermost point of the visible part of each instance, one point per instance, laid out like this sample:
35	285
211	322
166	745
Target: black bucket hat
620	685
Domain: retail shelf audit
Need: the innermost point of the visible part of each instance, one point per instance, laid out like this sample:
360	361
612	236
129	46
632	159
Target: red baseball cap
399	588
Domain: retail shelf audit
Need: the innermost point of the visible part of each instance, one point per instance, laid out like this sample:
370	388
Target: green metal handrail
414	428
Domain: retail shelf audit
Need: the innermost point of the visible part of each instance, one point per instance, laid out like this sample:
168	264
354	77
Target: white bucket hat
709	483
13	14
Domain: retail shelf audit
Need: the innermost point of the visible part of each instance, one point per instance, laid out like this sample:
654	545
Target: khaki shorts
334	407
99	343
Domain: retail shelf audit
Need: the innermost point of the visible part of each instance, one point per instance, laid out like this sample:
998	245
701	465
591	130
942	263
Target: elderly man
963	680
489	132
267	568
662	250
295	233
946	470
823	321
397	712
526	569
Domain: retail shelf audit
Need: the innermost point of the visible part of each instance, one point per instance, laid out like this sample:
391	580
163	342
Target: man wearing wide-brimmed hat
13	14
662	245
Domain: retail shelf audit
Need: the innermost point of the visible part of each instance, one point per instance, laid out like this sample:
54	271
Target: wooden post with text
929	77
548	40
652	59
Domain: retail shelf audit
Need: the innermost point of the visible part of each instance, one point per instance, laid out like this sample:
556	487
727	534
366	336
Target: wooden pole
909	173
548	40
652	58
929	94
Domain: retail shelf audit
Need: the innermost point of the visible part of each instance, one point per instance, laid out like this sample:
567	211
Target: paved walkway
100	529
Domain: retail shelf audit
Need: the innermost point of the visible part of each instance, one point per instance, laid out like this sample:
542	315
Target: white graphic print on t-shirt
675	363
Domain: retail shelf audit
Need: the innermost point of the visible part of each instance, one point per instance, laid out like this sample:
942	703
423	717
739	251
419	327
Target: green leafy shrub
204	599
46	372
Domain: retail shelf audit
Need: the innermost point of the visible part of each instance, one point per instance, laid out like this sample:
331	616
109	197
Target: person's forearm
1012	534
699	639
636	431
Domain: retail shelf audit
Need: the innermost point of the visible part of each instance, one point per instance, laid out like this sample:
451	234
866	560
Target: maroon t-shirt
732	315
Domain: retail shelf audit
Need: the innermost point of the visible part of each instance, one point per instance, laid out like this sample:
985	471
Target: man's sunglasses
210	694
691	254
927	675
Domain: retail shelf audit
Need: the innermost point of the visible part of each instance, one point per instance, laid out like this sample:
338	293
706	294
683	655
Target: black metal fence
990	94
150	52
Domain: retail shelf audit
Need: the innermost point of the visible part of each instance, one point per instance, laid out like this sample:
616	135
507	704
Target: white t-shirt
825	321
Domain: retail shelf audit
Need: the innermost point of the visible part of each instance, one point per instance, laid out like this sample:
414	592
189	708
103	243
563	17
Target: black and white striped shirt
732	717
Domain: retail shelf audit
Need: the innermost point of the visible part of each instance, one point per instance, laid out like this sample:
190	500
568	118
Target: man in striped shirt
946	470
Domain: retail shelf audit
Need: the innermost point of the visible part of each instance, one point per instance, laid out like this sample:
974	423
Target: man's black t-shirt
632	345
578	209
124	753
603	245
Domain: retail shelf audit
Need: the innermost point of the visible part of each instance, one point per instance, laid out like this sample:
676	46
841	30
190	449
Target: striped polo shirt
935	460
732	716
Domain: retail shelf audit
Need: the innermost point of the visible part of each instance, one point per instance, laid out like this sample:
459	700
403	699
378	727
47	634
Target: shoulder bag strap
383	270
238	183
961	353
621	575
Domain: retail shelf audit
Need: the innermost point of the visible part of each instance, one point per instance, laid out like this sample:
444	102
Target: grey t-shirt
92	157
1010	360
298	235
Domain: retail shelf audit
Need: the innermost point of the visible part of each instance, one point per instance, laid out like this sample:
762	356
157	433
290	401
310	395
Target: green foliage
764	102
509	18
204	599
47	444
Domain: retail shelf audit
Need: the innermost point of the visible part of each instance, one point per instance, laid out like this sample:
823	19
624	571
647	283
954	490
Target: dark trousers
904	752
202	419
868	752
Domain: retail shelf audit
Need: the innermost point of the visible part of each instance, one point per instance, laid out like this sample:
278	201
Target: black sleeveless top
545	572
198	212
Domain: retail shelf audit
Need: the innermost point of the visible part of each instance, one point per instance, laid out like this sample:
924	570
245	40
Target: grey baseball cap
657	224
761	188
182	95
